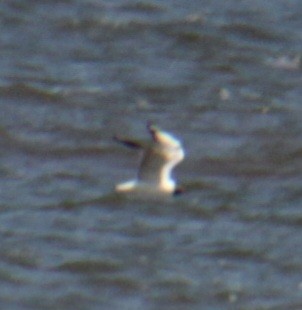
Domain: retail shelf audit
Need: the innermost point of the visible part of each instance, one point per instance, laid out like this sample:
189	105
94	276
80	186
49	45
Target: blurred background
224	77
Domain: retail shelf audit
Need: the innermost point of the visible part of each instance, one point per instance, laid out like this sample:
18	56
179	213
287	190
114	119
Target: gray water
217	74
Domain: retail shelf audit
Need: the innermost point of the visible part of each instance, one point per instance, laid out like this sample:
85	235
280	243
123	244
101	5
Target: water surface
75	73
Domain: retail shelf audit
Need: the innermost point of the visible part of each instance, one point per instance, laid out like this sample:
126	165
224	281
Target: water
75	73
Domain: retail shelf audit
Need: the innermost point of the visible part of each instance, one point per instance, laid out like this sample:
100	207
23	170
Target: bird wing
129	142
151	165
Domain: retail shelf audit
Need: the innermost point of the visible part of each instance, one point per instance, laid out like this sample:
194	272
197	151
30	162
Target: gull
154	176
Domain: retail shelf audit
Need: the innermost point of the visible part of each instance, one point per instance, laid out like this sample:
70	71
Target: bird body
155	171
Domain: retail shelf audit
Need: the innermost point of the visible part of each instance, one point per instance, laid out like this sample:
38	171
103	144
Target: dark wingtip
178	191
152	128
129	143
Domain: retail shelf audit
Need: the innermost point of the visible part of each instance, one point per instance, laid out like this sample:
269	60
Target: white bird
160	157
